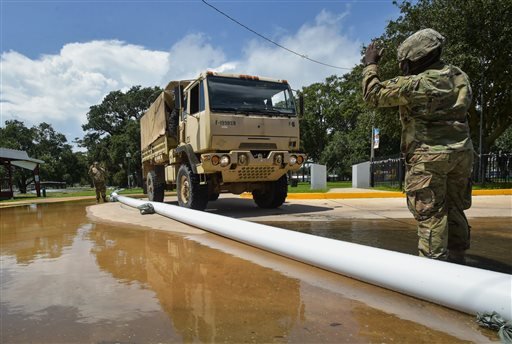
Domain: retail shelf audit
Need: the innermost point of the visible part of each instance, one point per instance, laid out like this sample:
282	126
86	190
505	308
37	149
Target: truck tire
191	194
272	195
213	196
155	184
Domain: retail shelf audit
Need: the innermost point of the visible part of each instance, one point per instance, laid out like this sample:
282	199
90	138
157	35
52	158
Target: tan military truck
221	133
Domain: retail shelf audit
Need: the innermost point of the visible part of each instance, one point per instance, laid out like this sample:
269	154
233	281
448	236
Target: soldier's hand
372	54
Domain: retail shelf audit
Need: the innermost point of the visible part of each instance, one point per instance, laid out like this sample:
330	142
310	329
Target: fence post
401	166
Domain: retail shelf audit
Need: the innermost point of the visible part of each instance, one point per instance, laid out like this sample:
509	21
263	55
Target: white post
318	177
361	175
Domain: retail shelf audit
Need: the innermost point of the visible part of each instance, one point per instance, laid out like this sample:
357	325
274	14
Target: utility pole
128	156
480	145
372	157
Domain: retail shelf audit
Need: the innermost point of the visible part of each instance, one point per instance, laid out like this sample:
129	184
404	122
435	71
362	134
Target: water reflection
66	279
28	235
60	271
208	295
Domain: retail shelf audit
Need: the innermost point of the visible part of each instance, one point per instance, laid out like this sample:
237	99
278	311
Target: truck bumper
247	166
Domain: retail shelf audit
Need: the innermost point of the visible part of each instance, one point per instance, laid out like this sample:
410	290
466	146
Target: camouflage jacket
433	107
97	174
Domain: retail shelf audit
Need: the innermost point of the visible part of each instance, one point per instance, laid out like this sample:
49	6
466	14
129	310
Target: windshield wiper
252	110
225	109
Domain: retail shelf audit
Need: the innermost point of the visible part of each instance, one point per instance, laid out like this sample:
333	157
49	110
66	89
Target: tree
15	135
479	41
336	127
44	143
112	130
504	142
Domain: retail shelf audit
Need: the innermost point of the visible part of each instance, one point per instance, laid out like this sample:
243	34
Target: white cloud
60	88
192	55
322	41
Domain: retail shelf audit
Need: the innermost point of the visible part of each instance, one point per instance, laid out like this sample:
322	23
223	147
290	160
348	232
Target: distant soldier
433	100
98	175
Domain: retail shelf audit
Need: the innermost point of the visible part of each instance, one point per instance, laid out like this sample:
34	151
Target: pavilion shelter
12	157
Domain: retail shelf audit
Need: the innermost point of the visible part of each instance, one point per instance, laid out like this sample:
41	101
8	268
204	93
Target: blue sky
60	57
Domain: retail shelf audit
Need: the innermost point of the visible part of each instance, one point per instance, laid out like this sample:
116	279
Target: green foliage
44	143
119	178
504	142
478	40
336	127
113	130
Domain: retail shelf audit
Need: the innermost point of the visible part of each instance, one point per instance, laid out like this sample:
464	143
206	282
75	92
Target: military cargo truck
221	133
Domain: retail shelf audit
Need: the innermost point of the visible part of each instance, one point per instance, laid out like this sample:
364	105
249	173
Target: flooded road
491	238
67	279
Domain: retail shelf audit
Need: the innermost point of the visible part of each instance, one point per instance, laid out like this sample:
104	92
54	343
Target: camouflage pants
438	188
101	190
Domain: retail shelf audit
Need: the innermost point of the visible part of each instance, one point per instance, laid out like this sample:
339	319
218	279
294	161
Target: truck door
196	102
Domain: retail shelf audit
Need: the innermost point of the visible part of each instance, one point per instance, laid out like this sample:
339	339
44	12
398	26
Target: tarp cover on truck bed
154	122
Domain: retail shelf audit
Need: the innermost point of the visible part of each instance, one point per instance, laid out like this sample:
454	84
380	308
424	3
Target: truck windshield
244	96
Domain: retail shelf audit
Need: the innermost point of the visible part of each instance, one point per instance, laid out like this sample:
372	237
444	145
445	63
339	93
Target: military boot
457	256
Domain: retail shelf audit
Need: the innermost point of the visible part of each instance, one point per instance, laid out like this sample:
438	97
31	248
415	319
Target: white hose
463	288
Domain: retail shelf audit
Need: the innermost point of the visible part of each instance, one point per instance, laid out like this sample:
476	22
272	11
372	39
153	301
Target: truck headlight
279	159
300	159
293	160
242	159
215	160
224	161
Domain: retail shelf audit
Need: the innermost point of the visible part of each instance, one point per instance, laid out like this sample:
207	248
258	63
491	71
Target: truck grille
255	173
257	145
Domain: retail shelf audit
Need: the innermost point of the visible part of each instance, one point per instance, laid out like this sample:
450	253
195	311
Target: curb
492	192
375	194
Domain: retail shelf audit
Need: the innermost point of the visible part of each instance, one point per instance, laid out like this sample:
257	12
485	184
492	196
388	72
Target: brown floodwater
65	278
491	238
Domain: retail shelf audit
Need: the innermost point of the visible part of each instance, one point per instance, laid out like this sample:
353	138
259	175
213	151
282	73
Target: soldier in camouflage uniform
433	99
98	175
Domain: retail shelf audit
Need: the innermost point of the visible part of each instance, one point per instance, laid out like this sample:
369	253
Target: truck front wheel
272	195
191	194
155	185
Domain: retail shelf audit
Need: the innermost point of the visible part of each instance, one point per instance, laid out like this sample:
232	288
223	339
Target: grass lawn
71	192
304	187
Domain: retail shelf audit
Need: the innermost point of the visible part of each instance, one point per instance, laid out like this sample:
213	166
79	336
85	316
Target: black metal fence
495	168
387	172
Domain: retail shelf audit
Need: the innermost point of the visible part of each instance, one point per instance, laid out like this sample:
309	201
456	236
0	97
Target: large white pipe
463	288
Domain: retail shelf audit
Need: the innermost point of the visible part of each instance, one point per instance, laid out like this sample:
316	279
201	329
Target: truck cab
221	133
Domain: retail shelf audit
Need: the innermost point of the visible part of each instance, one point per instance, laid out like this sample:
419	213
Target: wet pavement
66	278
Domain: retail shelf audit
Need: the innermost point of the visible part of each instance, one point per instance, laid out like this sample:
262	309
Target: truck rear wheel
191	194
155	184
272	195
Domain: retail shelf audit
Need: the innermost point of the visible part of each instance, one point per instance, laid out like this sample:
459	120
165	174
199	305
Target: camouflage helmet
420	44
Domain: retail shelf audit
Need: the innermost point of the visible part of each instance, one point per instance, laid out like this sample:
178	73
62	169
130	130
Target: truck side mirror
178	97
301	105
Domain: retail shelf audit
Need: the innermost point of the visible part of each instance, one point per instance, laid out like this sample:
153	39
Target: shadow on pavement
240	208
487	264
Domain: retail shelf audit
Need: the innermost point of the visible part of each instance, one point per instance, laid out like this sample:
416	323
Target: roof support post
37	181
